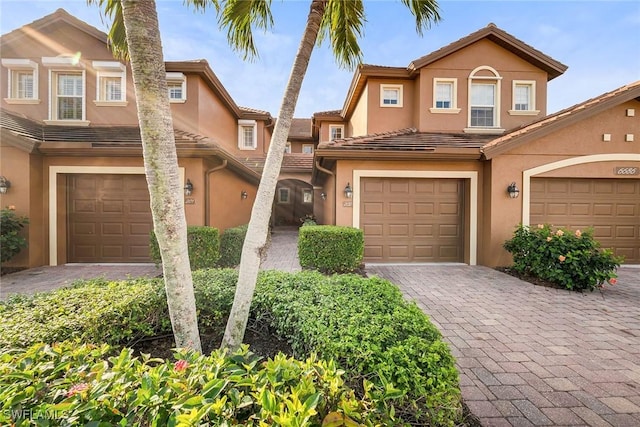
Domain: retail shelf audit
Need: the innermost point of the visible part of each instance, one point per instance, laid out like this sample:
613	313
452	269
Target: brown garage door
109	218
610	206
412	220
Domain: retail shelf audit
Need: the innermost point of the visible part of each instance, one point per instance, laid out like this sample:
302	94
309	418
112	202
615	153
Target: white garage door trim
53	194
594	158
470	175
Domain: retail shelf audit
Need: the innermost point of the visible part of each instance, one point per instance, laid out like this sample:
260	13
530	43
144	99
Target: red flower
77	388
180	365
613	281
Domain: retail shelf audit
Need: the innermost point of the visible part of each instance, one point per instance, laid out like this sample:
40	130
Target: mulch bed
531	279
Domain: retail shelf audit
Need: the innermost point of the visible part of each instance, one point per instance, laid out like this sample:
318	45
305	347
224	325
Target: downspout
335	184
207	209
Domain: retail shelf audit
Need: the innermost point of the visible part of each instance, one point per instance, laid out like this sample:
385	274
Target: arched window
484	99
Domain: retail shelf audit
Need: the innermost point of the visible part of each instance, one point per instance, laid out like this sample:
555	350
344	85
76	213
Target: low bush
231	243
330	248
571	259
373	333
11	242
79	384
203	243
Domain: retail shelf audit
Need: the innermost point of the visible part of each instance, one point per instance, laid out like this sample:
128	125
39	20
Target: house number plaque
627	170
189	201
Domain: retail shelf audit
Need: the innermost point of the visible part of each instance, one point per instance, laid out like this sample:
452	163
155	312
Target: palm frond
426	12
343	22
239	17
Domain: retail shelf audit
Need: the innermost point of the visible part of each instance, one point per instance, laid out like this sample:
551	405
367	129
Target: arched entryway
292	203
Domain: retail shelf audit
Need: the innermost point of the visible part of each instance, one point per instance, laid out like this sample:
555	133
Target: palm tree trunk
259	223
161	166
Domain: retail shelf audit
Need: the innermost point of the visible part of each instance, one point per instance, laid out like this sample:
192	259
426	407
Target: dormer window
484	101
336	132
524	98
177	87
391	95
23	81
110	83
247	134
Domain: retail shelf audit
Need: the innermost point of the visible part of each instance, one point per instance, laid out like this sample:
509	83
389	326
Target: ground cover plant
569	259
393	358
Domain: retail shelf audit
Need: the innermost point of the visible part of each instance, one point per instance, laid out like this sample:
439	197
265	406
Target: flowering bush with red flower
573	260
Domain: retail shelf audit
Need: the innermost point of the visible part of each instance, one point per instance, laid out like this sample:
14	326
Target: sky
598	40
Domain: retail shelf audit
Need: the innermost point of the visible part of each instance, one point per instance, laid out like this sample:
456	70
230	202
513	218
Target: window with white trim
283	196
247	134
484	100
445	96
22	79
307	195
177	87
391	95
67	100
336	132
307	148
524	97
110	83
287	148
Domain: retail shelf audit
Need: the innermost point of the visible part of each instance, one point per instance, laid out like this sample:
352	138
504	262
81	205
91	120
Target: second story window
177	87
67	97
483	105
336	132
307	148
524	98
111	83
445	94
287	148
22	79
247	135
391	95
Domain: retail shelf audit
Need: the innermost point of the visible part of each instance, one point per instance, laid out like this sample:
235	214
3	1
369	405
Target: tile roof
327	113
290	162
567	116
300	128
408	139
252	110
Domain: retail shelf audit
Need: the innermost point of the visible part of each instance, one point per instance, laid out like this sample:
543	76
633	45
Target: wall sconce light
348	191
323	195
243	194
188	188
4	185
513	191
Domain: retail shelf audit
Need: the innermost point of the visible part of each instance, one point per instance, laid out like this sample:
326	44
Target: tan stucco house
426	151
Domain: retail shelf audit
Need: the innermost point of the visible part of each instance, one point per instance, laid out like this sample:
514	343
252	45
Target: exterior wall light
243	194
4	185
188	188
348	191
323	195
513	191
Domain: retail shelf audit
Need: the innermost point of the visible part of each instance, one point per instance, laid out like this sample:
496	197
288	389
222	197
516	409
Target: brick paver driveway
530	355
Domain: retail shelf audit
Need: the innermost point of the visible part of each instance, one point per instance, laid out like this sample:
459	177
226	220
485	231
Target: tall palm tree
135	34
342	21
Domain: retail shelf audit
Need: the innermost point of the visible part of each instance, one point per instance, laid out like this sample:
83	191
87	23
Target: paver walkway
530	355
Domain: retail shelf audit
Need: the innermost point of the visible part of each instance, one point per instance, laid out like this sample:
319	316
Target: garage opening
108	218
412	219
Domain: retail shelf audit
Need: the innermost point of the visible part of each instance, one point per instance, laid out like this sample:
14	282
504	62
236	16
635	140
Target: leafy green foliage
573	260
11	242
80	384
330	248
367	326
231	243
203	243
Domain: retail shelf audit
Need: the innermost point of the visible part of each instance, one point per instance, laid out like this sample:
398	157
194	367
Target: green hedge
330	248
204	247
11	240
231	243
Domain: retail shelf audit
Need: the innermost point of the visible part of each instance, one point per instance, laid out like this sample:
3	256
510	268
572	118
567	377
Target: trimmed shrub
330	248
231	243
79	384
204	247
11	242
572	260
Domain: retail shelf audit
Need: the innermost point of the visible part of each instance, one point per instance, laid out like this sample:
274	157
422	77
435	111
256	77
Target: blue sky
598	40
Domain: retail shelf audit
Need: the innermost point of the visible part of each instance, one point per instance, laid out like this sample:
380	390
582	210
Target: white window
484	101
111	83
307	195
22	80
283	195
247	134
391	95
524	96
336	132
445	94
287	148
307	148
177	87
67	95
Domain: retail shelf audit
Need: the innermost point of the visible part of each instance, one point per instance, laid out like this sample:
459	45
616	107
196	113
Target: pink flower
180	365
77	388
540	226
578	233
613	281
11	207
559	233
562	258
549	239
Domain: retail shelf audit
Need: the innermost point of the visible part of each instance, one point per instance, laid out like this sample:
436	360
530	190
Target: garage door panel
109	218
611	207
413	219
